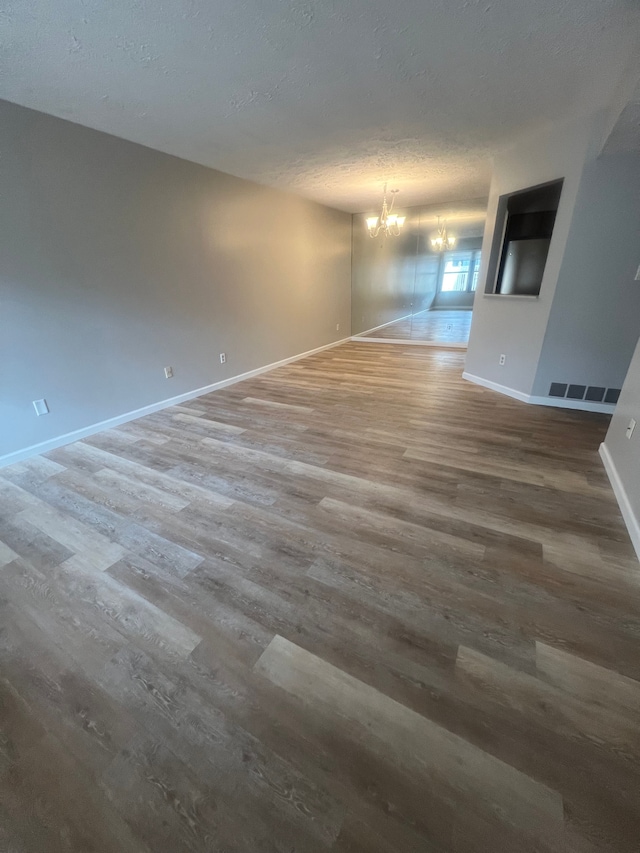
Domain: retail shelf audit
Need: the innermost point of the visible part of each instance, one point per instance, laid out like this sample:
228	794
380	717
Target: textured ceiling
328	98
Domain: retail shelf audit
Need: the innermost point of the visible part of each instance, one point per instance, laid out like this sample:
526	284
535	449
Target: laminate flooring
436	327
355	604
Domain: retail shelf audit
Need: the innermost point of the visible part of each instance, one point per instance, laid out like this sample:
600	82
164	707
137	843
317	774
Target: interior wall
393	277
426	278
456	299
117	260
512	325
621	455
594	322
383	273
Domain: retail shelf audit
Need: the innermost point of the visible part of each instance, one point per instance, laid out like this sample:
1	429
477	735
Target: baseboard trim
534	400
76	435
579	405
451	307
495	386
628	515
375	328
359	338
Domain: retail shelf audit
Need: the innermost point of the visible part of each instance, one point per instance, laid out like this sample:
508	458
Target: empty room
319	443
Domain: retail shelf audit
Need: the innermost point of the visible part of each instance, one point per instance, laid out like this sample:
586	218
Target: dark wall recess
525	220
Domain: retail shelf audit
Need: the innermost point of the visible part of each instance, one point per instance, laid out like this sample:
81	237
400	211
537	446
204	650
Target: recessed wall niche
524	227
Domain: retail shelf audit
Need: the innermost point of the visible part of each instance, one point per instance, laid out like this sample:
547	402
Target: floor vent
592	393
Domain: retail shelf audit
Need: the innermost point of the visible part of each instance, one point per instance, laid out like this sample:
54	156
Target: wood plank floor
355	605
437	326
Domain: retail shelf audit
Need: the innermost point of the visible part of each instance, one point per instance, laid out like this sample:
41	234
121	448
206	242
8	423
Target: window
455	272
460	271
475	271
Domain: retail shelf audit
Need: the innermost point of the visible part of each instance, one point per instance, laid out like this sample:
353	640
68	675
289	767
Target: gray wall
595	316
453	300
623	453
116	260
515	325
383	273
396	276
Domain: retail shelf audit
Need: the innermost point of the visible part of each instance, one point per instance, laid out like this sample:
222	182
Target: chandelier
443	241
388	223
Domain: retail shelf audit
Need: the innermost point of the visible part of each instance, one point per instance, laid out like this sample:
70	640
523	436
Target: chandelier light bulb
388	223
443	242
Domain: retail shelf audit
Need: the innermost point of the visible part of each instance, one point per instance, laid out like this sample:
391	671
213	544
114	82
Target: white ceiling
328	98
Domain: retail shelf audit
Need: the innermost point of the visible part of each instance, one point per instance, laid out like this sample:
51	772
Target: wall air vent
558	389
576	392
592	393
595	394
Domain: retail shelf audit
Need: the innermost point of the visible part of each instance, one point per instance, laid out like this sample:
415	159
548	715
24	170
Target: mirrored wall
404	289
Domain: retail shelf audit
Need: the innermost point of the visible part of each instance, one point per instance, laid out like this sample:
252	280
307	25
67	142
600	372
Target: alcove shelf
524	227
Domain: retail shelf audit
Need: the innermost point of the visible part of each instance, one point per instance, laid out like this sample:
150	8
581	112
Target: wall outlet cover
630	428
41	407
502	359
223	357
168	372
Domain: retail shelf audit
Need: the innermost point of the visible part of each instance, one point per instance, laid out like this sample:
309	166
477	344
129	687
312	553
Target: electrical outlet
502	359
337	327
223	357
168	372
41	407
449	327
637	278
630	428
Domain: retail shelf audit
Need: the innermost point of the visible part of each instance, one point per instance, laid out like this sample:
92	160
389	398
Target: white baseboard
76	435
553	402
632	523
495	386
580	405
375	328
410	342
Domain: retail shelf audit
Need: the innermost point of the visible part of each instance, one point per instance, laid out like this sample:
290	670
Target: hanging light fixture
388	223
442	242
